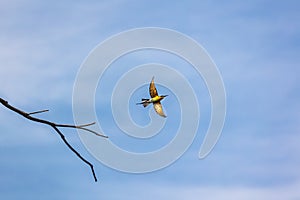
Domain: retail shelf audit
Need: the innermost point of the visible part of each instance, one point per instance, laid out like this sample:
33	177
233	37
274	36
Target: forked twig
55	127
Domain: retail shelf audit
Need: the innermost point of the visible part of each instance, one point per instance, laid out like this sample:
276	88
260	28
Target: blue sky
255	46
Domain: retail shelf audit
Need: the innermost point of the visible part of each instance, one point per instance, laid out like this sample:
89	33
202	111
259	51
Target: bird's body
155	99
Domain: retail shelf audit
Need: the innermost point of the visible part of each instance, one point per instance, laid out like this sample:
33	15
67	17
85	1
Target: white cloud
192	192
232	192
42	47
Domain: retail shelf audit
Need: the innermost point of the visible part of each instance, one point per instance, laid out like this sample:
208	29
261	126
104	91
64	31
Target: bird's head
163	96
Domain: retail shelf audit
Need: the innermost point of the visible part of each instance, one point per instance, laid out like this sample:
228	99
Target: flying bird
155	99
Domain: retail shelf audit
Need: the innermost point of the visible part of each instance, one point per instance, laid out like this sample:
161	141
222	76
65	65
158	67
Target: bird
155	99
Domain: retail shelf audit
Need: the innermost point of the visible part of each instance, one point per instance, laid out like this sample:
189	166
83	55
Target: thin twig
55	127
37	112
82	127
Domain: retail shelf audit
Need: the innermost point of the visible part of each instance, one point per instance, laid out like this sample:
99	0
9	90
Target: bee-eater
155	99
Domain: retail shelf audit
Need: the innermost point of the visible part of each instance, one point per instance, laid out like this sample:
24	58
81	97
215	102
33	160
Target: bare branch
85	125
82	127
37	112
89	130
55	127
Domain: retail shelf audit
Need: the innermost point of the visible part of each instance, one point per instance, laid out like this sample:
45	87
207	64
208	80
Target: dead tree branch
55	127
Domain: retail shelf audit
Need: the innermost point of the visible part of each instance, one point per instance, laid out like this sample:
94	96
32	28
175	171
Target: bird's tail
145	102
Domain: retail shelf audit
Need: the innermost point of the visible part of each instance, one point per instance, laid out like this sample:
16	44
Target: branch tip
85	125
37	112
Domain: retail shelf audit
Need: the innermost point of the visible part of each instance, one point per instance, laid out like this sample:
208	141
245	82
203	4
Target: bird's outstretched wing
158	109
152	89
